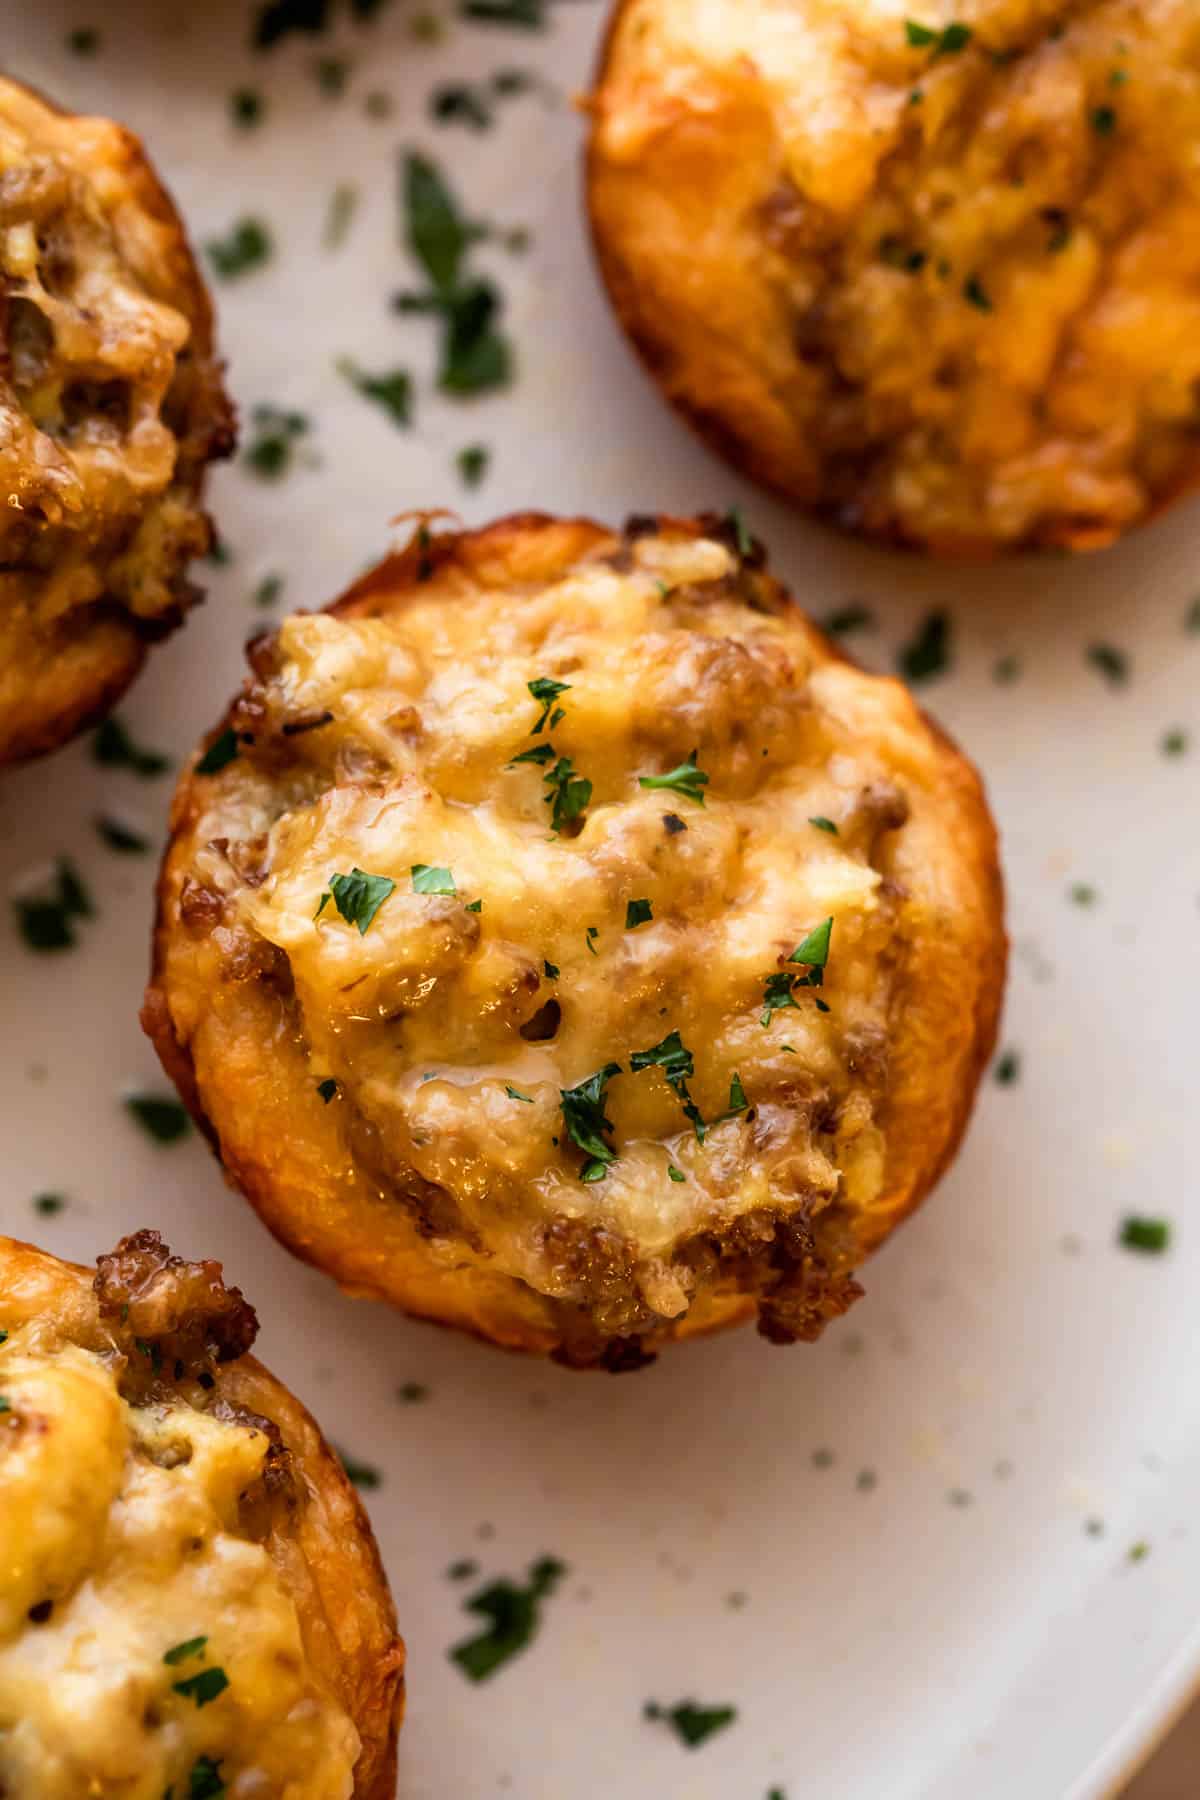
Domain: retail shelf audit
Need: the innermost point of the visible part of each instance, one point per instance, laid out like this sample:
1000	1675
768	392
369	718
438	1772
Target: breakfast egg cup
111	408
191	1600
935	282
562	940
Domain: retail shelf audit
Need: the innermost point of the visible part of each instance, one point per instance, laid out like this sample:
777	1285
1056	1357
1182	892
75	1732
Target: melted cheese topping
119	1540
108	399
451	1033
948	295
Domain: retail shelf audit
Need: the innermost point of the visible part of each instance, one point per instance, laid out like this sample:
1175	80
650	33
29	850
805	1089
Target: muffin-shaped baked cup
111	406
577	949
191	1601
939	282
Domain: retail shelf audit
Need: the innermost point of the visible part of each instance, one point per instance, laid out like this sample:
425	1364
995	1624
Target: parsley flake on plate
161	1117
48	1206
343	204
474	356
121	838
359	1474
514	1613
692	1723
390	391
1149	1236
929	651
529	14
270	451
359	896
46	919
222	750
113	748
427	879
247	246
587	1123
472	463
1110	662
686	779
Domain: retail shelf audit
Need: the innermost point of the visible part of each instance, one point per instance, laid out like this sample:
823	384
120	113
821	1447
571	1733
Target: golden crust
219	996
316	1533
111	404
965	322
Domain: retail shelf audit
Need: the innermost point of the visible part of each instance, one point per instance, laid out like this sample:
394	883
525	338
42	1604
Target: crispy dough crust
326	1553
75	667
710	332
280	1152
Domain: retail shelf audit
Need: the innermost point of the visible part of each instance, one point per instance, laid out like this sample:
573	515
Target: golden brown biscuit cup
562	940
112	407
934	282
191	1589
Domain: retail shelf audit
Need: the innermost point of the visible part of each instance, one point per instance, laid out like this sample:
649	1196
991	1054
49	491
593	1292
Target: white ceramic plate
877	1549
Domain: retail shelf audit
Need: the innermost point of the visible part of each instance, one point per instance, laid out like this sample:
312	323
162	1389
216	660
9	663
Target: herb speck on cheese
428	879
637	912
358	896
687	779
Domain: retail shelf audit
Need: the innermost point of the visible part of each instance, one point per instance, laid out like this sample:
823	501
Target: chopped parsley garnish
427	879
1110	662
1104	120
546	692
331	74
412	1392
207	1686
516	1094
463	1569
946	42
327	1089
269	453
357	896
3	1337
121	837
593	932
5	1403
204	1782
514	1614
190	1647
222	750
531	14
586	1121
1007	1069
113	747
541	754
824	824
1150	1236
84	40
458	102
692	1723
247	246
1006	670
741	535
343	204
391	391
1138	1552
46	920
551	971
474	356
898	255
737	1095
277	19
268	591
246	107
1082	893
1174	741
847	619
163	1119
1191	618
687	780
675	1060
929	652
569	794
638	912
472	463
978	296
675	1174
778	989
48	1206
360	1474
475	906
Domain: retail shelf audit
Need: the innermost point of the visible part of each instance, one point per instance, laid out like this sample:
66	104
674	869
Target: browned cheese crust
116	1386
111	406
941	286
390	1100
